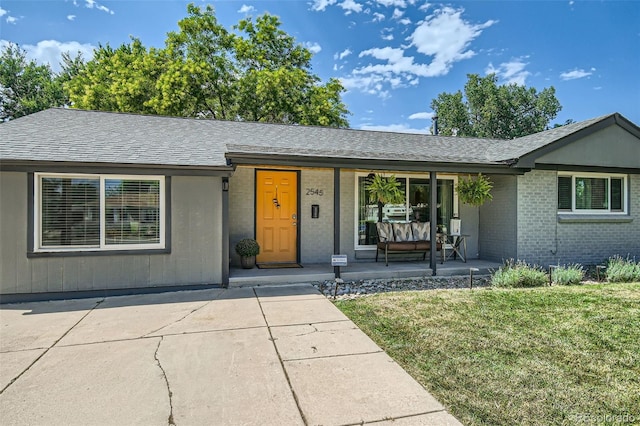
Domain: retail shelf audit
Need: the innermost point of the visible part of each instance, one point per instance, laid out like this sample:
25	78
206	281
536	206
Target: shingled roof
77	136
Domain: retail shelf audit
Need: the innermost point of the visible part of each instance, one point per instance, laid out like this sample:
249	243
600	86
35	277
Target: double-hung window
76	212
592	193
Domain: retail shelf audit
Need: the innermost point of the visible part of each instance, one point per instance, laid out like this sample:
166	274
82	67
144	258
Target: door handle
294	223
294	216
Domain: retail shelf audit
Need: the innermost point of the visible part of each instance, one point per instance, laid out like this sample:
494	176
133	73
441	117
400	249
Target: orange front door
277	216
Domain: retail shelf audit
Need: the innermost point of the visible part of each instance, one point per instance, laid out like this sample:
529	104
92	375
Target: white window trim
103	246
574	175
398	175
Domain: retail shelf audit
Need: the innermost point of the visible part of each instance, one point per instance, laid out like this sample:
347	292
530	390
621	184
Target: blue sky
393	56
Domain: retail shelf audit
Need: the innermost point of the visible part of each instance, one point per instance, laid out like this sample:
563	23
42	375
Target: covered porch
355	271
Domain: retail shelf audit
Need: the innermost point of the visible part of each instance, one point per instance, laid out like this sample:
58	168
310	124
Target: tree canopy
255	73
26	87
489	110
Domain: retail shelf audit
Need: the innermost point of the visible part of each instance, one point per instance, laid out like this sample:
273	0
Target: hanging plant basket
474	191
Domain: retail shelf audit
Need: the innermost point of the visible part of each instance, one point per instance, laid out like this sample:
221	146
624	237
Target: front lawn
553	355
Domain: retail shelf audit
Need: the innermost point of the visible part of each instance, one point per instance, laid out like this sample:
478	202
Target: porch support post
225	232
433	214
336	217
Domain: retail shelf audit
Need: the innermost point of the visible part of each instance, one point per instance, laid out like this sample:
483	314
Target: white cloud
313	47
446	37
71	17
350	6
50	51
246	9
512	72
397	14
378	17
342	54
9	19
422	116
441	39
92	4
321	5
396	128
396	3
575	74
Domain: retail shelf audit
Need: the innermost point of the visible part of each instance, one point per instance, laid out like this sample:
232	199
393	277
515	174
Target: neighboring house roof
77	136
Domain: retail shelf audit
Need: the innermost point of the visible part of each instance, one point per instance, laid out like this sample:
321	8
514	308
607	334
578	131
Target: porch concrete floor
355	271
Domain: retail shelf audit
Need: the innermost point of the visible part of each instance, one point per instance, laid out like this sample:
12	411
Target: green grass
551	355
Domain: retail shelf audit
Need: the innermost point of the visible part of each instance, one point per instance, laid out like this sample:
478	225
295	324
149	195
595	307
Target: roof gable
591	145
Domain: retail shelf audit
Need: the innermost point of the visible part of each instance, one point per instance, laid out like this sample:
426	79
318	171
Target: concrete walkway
245	356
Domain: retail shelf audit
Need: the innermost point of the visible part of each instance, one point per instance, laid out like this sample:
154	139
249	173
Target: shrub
248	247
518	274
567	275
620	270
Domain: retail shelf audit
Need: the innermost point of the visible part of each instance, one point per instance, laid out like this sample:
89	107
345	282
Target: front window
417	190
591	193
92	212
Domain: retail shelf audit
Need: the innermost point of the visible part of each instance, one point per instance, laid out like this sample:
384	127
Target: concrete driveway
245	356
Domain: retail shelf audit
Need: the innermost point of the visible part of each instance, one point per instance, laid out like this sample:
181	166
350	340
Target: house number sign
315	191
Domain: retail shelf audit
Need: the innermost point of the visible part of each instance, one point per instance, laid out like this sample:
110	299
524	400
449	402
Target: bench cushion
384	231
401	246
402	232
421	231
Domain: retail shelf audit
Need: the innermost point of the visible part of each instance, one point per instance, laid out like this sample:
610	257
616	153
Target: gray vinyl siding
545	240
498	227
195	258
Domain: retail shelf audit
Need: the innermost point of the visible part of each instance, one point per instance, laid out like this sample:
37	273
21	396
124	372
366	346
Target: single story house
97	201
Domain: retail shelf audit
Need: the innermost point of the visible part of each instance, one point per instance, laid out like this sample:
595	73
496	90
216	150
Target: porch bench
404	237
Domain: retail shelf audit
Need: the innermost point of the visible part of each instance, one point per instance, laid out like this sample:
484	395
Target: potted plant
384	190
248	249
474	191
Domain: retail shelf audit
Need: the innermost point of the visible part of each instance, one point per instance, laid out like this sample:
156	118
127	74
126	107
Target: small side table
459	246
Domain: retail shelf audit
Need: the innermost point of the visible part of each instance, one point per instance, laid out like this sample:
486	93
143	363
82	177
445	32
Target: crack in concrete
185	316
387	419
315	330
50	347
332	356
170	420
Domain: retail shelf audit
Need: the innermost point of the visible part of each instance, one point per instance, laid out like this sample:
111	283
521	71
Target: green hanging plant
384	189
474	191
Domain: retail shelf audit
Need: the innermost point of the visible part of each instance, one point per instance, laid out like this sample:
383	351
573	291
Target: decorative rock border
353	289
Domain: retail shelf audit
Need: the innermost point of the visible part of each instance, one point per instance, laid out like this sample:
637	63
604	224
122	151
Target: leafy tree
25	87
495	111
121	79
257	73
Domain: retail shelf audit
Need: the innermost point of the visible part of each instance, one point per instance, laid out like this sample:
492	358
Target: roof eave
120	168
257	159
